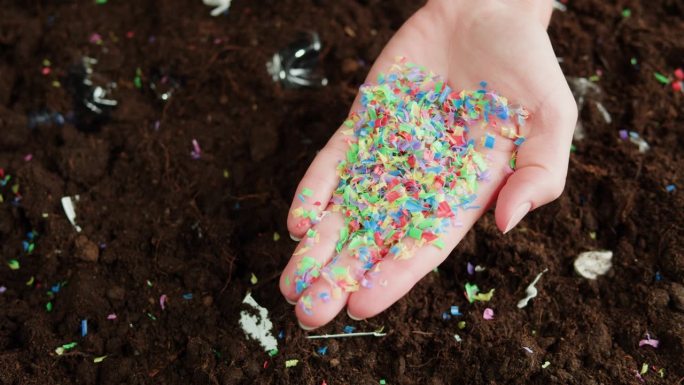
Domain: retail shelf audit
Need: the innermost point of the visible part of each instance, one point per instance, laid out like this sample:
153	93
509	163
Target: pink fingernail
518	215
304	327
353	317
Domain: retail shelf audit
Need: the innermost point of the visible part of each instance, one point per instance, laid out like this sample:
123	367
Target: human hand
501	42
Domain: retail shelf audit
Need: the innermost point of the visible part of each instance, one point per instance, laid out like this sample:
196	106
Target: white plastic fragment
585	90
591	264
559	6
258	327
70	211
639	141
531	291
604	113
221	6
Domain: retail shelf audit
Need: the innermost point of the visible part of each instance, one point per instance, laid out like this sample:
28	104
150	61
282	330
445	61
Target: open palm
509	49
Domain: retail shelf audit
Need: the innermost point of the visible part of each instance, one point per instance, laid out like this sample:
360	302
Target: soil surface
157	222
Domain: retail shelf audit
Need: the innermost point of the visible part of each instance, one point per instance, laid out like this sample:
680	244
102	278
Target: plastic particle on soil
258	326
531	291
591	264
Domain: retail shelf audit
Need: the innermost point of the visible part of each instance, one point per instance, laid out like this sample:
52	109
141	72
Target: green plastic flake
415	233
13	264
307	192
661	78
438	243
471	290
273	352
66	347
307	263
339	271
626	13
48	307
137	80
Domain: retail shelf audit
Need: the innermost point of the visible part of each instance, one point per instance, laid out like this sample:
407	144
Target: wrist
538	10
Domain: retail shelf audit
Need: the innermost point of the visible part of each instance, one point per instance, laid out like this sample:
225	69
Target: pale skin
502	42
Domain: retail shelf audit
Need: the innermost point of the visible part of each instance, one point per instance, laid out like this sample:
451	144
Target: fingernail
518	215
307	328
353	317
290	302
295	238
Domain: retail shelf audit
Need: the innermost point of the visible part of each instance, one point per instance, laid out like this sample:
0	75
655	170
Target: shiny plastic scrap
410	166
163	84
296	65
43	118
92	95
585	90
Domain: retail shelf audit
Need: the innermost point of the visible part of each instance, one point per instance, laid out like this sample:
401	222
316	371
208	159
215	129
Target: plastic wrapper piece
296	65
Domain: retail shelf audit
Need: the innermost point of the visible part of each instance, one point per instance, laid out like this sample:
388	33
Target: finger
320	180
542	162
326	297
314	251
316	187
391	279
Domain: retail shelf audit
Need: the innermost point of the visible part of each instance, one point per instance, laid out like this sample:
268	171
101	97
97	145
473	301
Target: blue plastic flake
489	141
84	328
446	316
455	311
187	296
519	141
322	350
670	188
349	329
281	334
658	277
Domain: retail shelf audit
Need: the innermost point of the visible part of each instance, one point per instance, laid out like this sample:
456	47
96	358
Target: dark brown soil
157	222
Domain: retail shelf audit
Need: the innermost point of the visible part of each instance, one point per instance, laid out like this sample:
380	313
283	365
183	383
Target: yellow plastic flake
291	363
97	360
276	237
484	297
253	279
546	364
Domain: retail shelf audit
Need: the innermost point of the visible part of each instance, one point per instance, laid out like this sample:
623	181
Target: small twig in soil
343	335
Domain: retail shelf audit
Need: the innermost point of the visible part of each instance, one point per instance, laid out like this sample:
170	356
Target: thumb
541	167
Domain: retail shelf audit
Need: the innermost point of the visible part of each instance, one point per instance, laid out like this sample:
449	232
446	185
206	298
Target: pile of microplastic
409	168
